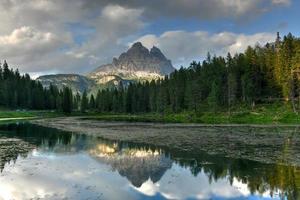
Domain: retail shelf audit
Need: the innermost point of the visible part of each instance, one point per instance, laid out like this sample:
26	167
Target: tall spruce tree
92	103
84	102
67	103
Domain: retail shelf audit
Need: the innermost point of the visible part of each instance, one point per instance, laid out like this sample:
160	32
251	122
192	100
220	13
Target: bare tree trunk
292	96
253	105
229	98
294	106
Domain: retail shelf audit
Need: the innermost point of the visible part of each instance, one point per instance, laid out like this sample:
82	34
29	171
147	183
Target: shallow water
45	163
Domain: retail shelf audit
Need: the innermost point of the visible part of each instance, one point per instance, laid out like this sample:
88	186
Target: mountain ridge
77	82
136	64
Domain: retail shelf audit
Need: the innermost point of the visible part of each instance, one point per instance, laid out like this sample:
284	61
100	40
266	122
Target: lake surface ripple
45	163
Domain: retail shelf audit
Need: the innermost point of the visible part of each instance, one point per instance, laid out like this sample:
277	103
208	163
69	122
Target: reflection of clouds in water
243	188
80	167
11	148
18	182
179	183
75	177
78	176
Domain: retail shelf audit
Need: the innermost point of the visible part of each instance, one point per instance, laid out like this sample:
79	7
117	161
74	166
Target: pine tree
67	103
84	102
213	98
92	104
231	81
77	100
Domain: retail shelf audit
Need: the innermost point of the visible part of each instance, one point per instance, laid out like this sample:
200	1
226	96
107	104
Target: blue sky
51	36
284	19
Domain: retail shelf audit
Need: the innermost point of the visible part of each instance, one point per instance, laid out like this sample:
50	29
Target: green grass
262	114
20	115
15	114
24	115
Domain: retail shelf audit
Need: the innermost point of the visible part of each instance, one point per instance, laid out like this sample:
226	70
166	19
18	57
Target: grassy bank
23	115
262	114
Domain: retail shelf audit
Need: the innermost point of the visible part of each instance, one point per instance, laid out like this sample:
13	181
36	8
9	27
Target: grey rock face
137	63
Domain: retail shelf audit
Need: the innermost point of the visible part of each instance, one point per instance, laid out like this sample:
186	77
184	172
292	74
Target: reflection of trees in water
11	149
259	177
19	139
36	135
139	162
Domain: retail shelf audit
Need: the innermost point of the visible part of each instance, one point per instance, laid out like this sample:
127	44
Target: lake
46	163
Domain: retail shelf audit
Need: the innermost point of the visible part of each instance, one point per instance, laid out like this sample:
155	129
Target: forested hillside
259	75
20	92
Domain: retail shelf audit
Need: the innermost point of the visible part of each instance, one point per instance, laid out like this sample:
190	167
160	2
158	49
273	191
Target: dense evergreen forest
259	75
21	92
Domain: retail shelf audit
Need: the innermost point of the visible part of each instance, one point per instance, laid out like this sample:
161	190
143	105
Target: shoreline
37	121
262	115
253	142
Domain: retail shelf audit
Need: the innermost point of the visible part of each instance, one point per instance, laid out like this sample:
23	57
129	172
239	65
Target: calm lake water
44	163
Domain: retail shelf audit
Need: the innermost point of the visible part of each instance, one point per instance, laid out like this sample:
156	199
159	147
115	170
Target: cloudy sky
76	36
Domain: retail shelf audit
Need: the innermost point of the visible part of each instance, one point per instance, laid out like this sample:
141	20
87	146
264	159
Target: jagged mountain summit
137	64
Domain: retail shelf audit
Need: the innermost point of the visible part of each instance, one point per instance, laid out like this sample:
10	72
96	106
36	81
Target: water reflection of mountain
138	162
137	165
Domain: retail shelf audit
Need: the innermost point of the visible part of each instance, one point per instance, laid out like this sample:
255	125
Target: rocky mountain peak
138	63
137	51
156	52
137	45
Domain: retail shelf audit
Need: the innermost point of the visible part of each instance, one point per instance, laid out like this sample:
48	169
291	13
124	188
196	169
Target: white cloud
182	46
199	9
28	38
37	35
281	2
111	26
117	13
26	45
25	34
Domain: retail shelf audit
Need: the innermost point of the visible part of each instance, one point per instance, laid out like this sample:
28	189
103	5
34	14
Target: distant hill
137	64
77	83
